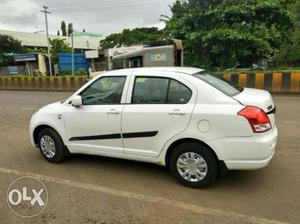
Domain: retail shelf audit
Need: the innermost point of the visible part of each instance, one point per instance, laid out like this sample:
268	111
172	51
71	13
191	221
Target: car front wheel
193	165
52	146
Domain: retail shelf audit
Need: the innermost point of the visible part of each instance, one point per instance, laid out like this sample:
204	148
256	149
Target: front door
160	107
96	125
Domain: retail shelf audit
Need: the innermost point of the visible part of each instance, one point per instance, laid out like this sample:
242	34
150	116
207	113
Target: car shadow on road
239	178
134	169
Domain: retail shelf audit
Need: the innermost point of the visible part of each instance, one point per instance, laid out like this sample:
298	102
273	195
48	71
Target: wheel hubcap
192	167
47	146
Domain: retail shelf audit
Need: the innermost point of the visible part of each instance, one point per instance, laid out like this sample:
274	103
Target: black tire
60	150
205	153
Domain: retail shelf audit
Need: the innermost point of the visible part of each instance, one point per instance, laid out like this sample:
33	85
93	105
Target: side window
106	90
152	90
178	93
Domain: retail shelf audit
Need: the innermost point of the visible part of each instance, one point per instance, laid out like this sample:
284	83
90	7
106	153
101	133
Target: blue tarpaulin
65	62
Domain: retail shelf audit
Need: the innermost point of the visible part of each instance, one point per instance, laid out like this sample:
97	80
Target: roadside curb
42	84
276	82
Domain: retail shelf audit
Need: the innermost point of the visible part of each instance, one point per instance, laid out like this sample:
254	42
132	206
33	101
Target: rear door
159	106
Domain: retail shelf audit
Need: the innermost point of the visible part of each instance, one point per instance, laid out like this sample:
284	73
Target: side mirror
76	101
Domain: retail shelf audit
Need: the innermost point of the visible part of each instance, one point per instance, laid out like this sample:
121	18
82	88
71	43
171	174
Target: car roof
185	70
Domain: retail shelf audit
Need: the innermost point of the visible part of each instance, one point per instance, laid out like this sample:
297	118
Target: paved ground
88	189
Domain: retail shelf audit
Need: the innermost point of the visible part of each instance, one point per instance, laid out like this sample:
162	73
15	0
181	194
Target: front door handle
113	111
177	112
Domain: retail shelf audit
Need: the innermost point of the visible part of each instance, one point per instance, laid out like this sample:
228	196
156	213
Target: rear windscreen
221	84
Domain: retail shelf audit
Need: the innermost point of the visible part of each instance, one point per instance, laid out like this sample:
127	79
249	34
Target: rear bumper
247	153
248	164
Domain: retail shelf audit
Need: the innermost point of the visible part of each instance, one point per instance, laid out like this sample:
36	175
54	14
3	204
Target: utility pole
72	43
46	12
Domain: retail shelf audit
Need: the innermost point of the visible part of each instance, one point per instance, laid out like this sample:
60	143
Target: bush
80	72
64	73
14	75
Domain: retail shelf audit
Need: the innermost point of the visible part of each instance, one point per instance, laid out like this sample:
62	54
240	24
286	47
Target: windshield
223	85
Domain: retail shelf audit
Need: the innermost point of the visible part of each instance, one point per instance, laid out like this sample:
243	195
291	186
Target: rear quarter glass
222	85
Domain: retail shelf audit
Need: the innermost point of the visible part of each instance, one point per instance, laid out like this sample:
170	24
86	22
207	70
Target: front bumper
31	128
247	153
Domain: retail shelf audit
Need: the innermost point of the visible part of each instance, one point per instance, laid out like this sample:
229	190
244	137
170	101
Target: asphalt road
89	189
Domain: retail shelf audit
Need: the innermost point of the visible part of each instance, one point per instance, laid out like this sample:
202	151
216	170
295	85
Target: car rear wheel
193	165
52	146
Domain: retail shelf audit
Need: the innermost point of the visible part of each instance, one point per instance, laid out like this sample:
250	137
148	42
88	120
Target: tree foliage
63	28
132	37
289	55
221	33
8	47
58	46
70	29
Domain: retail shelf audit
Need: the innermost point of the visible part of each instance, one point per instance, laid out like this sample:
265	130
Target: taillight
257	118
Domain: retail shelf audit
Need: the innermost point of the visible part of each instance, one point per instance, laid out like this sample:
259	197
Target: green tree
132	37
70	29
221	33
8	47
41	50
58	46
289	55
63	28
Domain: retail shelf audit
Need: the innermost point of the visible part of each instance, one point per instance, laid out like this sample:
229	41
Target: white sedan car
184	118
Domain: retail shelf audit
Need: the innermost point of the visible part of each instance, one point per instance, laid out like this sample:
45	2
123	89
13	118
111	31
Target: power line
17	20
91	3
88	7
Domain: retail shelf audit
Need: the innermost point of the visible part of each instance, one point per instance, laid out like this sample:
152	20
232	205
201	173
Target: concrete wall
42	64
276	82
44	83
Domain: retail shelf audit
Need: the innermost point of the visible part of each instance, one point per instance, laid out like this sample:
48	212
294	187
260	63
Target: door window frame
124	92
158	77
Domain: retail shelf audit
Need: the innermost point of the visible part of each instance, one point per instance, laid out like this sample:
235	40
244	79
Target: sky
101	16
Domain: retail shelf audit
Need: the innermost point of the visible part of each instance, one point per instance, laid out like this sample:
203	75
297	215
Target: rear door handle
113	111
177	112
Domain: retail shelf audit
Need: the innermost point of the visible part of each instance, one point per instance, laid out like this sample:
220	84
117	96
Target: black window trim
159	77
101	77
